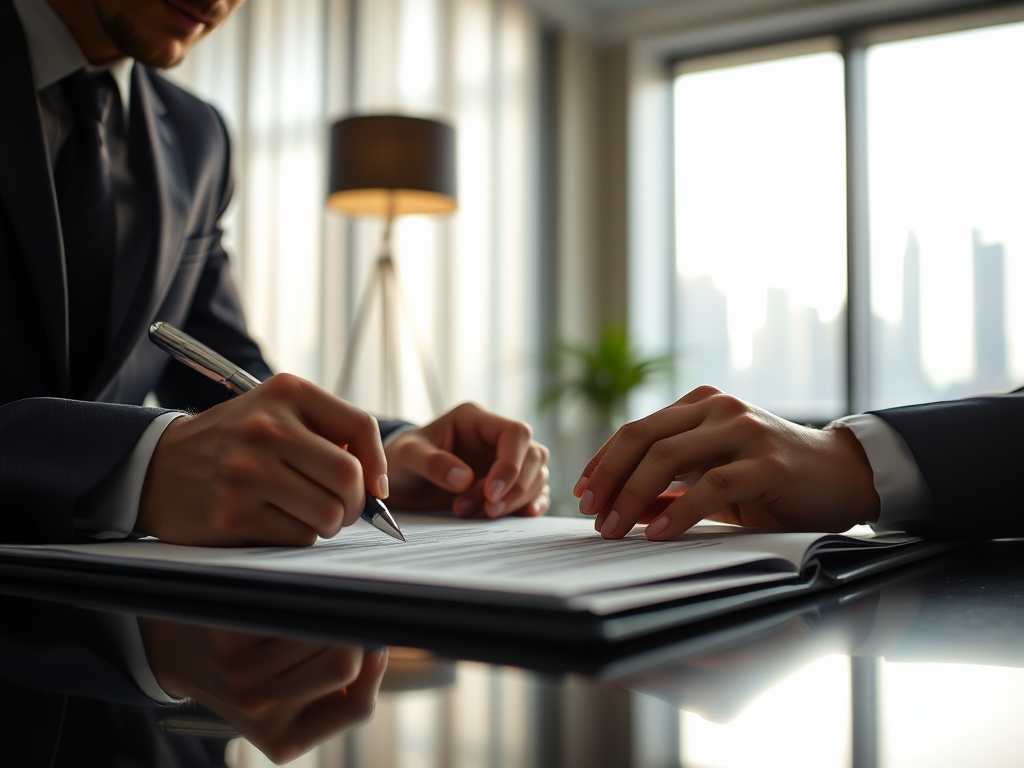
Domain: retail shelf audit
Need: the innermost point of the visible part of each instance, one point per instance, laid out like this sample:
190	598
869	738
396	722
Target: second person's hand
471	461
746	466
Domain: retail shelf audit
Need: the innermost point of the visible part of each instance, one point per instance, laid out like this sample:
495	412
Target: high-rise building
910	325
989	314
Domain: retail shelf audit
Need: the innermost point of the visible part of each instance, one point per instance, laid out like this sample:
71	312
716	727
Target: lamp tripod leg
394	308
392	384
362	317
427	370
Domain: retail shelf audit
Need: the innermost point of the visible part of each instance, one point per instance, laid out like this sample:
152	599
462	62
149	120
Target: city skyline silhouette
798	363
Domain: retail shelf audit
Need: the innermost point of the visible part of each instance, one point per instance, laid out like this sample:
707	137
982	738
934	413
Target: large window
761	229
946	168
930	149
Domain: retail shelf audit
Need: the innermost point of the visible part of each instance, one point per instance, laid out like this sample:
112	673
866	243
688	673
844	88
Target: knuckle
729	404
662	452
260	428
469	406
628	499
600	476
348	471
702	392
364	422
282	750
719	479
632	432
285	385
347	668
523	430
332	517
362	713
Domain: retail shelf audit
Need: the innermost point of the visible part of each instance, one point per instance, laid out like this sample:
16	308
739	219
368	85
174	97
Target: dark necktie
85	197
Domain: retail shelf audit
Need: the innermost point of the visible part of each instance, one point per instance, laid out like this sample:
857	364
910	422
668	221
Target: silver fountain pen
197	355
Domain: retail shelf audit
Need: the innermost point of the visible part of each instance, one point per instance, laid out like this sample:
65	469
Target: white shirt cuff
906	502
114	507
123	631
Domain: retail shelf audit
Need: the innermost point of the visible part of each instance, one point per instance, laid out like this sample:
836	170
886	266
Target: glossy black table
923	666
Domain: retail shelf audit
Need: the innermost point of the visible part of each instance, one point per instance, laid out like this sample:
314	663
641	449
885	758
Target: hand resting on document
285	696
712	456
472	461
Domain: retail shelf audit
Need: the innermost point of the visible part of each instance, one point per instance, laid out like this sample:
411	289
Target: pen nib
382	520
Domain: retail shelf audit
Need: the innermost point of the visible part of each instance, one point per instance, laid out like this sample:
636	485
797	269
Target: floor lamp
390	165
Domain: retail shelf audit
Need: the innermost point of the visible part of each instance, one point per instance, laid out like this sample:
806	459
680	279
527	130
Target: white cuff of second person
906	502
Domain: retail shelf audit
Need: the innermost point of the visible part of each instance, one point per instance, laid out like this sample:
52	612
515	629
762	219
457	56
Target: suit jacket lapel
26	187
164	173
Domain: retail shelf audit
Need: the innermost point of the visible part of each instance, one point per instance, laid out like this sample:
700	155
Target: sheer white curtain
281	72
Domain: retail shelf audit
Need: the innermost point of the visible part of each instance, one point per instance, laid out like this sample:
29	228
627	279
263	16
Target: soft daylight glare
951	715
946	168
804	721
761	230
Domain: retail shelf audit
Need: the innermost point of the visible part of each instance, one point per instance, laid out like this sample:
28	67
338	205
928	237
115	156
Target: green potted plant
603	375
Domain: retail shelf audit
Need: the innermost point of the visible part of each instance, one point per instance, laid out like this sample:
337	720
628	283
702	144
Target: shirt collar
54	54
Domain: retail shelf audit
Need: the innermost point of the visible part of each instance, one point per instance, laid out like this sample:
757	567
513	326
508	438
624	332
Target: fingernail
495	509
611	524
581	485
383	485
464	507
459	478
658	526
496	489
587	502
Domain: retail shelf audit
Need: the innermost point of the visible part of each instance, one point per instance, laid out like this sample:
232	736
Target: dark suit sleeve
52	452
969	452
215	317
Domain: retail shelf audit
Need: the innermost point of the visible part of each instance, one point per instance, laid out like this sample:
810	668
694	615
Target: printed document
551	562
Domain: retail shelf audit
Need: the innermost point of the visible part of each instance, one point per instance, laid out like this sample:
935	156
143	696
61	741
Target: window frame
854	41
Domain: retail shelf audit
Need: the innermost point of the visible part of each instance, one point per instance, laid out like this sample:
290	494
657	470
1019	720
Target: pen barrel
200	357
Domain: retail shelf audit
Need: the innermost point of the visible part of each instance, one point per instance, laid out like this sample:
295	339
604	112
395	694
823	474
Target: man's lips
194	15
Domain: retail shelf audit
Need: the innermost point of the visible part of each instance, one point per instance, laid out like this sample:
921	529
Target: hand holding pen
265	468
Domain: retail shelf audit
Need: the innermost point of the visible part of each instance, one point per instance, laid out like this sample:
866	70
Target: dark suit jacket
969	452
54	450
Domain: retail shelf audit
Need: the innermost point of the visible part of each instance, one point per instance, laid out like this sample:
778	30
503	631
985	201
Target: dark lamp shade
408	158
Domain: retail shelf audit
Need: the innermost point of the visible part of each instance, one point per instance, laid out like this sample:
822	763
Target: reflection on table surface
922	668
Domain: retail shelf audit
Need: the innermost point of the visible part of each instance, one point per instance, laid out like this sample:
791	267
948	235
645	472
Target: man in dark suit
112	186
